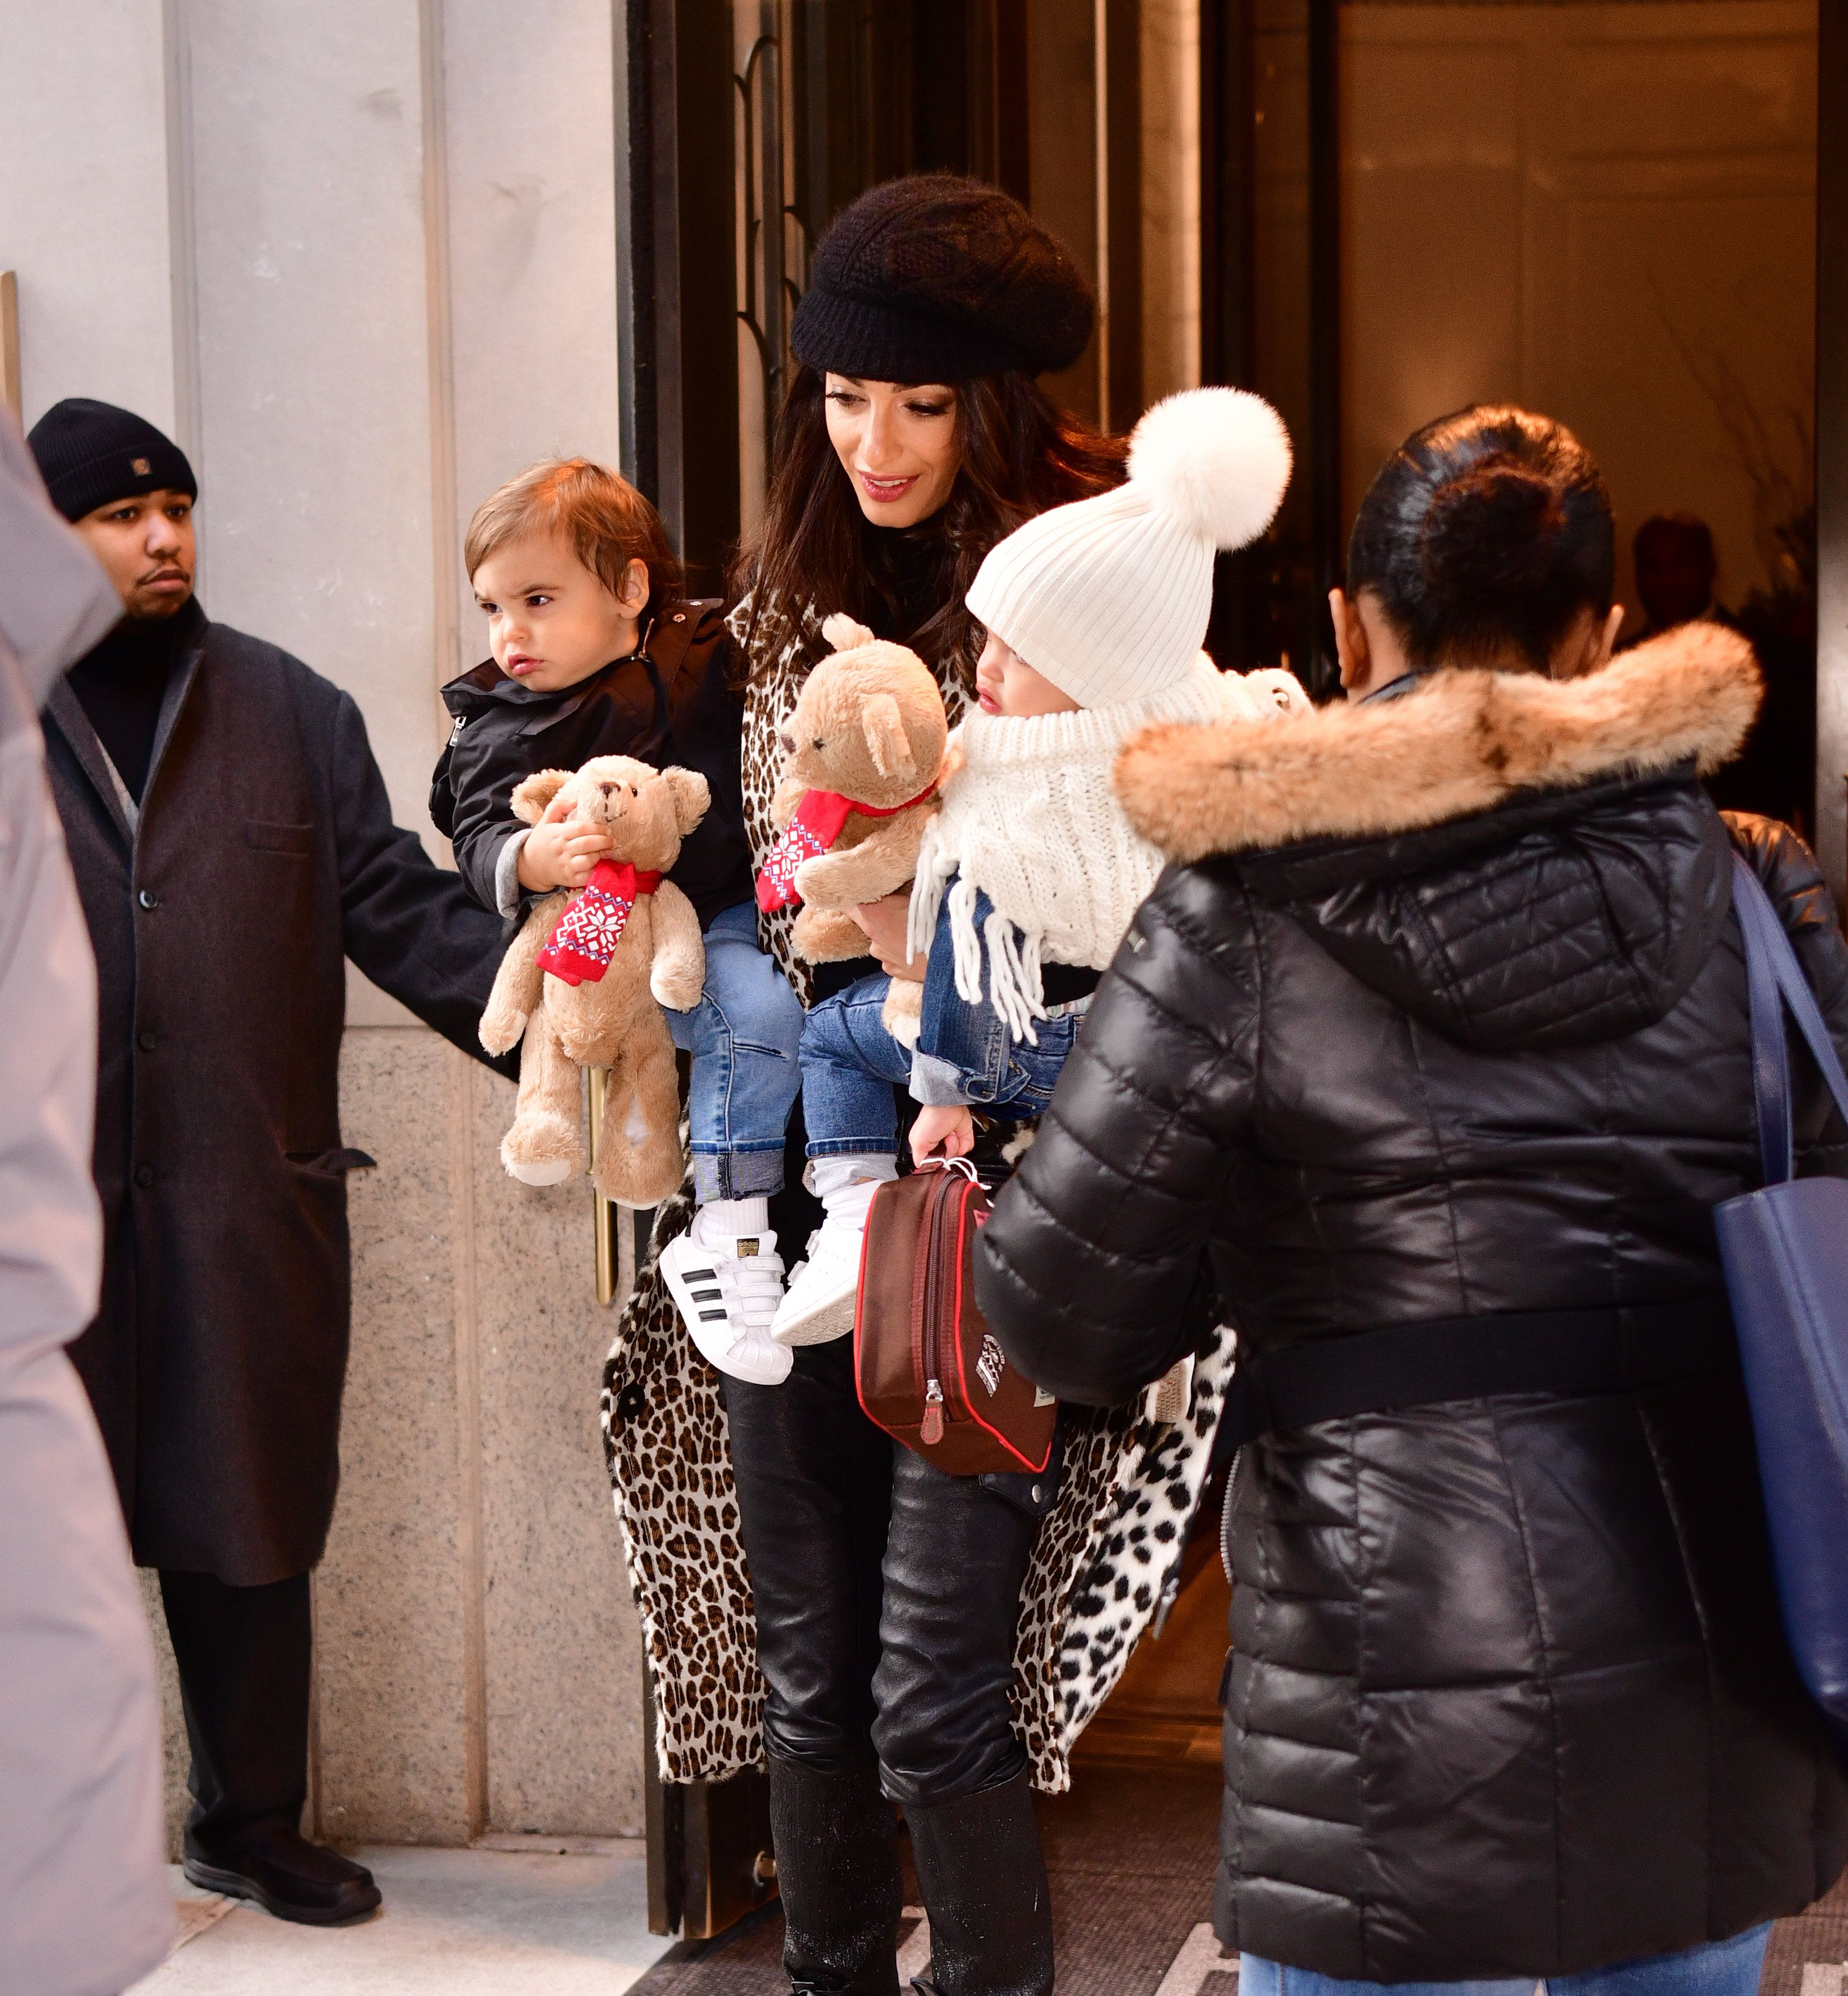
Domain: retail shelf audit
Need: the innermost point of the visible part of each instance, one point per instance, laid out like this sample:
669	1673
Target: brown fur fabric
1464	741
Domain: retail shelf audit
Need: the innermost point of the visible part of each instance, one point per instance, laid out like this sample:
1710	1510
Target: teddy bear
863	751
585	980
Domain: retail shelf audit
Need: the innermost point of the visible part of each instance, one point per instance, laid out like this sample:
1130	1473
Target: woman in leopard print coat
900	1635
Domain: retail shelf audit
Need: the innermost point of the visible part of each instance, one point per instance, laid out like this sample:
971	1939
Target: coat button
145	1041
148	898
1036	1493
144	1175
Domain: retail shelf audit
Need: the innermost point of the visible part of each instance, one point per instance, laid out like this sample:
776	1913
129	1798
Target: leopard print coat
1105	1554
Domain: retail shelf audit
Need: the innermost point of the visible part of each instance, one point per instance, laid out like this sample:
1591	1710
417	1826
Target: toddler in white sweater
1030	873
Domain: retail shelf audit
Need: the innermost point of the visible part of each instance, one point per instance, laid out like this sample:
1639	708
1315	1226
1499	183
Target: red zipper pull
932	1432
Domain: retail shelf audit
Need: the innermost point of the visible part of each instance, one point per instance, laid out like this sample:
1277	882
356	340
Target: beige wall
1170	127
359	256
1605	212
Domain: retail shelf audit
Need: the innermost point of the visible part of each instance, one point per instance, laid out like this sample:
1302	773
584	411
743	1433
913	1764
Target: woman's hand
557	854
885	923
951	1126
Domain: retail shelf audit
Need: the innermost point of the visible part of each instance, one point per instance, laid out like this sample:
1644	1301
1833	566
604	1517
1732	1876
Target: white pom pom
843	634
1215	460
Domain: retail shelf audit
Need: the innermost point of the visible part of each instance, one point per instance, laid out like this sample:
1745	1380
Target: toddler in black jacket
594	654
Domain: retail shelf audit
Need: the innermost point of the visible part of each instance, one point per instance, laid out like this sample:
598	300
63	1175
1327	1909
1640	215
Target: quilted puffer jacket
1442	1015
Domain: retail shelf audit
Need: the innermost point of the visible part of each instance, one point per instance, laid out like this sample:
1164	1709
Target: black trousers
886	1592
244	1654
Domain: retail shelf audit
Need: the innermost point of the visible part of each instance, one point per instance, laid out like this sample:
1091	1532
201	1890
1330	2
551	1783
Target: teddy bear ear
843	634
531	797
692	798
886	738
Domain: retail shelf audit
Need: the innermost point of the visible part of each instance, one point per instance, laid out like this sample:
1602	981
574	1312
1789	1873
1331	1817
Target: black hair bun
1485	536
1495	532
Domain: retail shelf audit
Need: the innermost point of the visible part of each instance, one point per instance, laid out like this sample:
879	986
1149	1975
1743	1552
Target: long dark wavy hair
1021	453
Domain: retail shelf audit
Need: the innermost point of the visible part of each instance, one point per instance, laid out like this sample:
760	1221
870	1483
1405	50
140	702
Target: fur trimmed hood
1462	743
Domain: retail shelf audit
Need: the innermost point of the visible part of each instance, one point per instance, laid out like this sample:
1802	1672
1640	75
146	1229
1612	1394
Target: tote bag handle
1774	979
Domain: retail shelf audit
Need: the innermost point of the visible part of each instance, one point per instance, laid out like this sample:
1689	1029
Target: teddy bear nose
787	740
606	788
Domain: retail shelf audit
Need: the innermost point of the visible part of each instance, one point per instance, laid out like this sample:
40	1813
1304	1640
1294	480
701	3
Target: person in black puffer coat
1425	1065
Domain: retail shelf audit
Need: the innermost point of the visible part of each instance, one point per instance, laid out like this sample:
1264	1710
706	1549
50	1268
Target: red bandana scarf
592	923
817	824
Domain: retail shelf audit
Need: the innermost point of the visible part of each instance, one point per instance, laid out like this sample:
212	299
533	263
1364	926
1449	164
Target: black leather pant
886	1592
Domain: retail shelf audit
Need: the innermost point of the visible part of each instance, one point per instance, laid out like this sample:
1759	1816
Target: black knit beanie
934	278
91	453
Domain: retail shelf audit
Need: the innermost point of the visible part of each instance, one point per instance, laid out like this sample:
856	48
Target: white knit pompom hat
1108	598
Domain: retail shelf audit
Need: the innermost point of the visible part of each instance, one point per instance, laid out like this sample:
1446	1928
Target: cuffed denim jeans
744	1036
1720	1968
965	1053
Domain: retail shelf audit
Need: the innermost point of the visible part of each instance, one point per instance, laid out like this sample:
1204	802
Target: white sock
864	1169
861	1173
722	1220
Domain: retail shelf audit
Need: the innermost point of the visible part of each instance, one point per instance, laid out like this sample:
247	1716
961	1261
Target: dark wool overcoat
262	854
1441	1017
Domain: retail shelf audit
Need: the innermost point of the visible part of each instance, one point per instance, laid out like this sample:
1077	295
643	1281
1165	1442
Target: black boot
984	1887
836	1843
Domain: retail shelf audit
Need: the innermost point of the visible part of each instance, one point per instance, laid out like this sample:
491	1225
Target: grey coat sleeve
84	1902
1095	1269
410	924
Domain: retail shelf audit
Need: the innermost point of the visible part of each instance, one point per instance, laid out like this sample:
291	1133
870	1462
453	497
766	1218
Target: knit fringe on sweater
1029	818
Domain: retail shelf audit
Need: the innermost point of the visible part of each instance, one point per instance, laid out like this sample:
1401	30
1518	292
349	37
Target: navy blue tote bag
1785	1251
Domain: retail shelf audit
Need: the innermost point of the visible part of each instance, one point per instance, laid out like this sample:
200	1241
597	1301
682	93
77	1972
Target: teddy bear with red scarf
585	980
864	750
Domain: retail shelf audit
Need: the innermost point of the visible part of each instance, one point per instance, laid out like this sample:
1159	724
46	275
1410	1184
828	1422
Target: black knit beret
91	453
935	278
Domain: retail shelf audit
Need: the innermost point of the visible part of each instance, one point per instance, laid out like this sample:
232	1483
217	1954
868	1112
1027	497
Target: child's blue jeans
744	1036
965	1053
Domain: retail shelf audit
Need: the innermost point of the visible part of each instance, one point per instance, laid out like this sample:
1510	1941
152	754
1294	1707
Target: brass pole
603	1211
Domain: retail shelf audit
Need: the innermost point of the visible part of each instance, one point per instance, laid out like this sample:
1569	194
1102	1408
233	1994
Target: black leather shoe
288	1875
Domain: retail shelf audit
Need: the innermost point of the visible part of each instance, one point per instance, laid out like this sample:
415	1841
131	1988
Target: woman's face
897	445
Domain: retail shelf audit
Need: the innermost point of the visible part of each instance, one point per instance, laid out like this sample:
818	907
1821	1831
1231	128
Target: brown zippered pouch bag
929	1371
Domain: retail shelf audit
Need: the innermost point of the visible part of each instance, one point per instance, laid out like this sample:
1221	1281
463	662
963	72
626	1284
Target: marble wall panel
563	1647
318	356
173	1721
84	202
396	1642
530	130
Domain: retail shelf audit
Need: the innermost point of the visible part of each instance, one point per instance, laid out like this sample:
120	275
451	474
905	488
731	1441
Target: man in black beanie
233	843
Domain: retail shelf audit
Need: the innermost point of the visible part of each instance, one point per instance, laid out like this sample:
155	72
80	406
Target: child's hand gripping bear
864	750
587	975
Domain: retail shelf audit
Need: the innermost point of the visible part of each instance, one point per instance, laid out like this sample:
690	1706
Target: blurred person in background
84	1906
1672	556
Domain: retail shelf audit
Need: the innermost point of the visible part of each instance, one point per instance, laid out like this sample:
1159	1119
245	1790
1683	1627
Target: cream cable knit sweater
1029	818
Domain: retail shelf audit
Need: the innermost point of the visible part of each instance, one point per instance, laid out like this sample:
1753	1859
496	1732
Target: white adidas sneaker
727	1296
823	1289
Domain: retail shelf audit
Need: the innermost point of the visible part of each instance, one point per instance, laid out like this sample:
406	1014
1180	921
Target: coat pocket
296	839
330	1164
